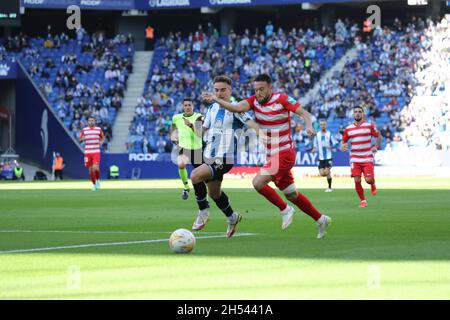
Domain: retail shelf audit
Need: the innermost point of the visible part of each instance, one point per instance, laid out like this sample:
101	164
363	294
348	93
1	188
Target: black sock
200	195
224	204
329	182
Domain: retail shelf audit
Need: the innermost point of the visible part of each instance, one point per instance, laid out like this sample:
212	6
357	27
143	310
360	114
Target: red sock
92	175
360	190
306	206
97	174
271	195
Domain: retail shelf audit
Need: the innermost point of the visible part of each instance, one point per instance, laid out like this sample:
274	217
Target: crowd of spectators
393	68
425	121
184	66
79	77
401	75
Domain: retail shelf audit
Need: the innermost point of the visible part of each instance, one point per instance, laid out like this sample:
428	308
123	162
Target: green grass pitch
111	244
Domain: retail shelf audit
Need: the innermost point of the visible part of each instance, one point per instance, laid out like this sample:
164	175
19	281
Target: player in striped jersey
272	113
323	144
93	138
219	128
360	135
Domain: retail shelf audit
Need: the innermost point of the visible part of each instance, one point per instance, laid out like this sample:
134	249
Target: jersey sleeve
289	103
333	140
82	133
345	136
315	143
374	131
243	117
207	119
251	101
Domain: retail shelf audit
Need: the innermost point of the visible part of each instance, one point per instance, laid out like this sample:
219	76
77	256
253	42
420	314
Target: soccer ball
182	241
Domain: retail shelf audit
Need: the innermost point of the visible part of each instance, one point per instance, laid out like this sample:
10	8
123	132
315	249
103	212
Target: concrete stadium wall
7	101
39	132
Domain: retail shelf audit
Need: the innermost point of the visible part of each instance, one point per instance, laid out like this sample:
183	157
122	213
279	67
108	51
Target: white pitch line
89	245
95	232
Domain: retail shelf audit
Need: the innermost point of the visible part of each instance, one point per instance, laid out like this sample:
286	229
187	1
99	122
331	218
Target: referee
323	143
183	134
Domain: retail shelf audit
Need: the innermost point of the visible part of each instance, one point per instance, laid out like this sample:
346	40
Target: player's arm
307	117
241	106
102	138
253	125
315	147
344	142
376	134
196	126
206	123
82	137
292	105
173	134
334	143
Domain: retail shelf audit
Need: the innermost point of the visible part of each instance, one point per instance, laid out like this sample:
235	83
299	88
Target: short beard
265	100
358	120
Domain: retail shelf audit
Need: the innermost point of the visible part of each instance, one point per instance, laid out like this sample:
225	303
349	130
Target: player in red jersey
360	135
272	113
93	138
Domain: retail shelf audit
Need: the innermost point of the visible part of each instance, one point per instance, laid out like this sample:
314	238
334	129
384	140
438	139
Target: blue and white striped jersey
222	125
323	142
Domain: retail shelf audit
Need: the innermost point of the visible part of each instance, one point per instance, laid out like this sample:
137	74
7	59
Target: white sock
233	216
286	209
322	219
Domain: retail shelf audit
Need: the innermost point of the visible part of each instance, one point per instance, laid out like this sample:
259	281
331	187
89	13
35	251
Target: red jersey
360	136
92	136
274	116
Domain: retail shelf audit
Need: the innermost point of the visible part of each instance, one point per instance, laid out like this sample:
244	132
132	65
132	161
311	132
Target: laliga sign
222	2
92	3
33	2
169	3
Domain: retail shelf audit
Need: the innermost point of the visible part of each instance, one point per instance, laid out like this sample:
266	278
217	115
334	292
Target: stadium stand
393	68
184	67
79	77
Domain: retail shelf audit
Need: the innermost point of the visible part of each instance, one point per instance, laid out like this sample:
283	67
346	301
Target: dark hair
358	107
263	77
92	117
188	99
223	79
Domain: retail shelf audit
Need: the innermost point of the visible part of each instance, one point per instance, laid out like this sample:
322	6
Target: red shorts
279	167
91	159
366	168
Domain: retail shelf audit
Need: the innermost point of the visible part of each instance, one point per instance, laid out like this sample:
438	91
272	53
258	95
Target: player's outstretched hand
208	97
344	147
311	132
374	150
